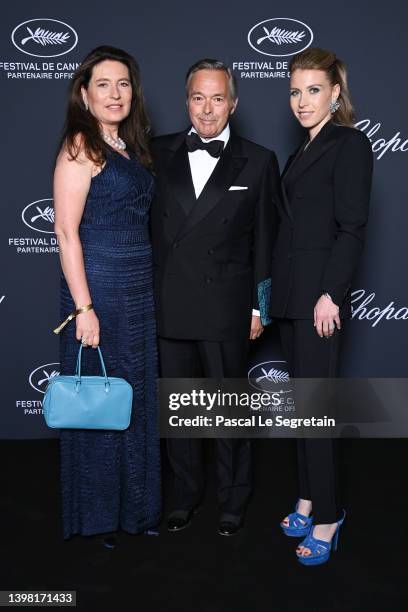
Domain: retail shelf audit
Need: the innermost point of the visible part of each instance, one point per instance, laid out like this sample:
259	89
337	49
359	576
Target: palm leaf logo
280	37
47	214
48	377
45	37
273	375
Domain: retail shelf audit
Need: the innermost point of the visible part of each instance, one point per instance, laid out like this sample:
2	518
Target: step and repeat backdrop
41	45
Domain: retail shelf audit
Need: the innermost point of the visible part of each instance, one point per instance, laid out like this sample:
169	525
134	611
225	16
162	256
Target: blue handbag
88	402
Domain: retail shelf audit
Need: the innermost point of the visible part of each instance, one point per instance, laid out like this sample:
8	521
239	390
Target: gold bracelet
73	314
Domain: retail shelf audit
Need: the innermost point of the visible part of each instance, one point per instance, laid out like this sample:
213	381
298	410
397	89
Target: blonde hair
321	59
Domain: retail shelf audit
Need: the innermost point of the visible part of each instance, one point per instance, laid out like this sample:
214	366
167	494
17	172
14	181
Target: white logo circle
44	35
39	216
280	37
266	375
40	377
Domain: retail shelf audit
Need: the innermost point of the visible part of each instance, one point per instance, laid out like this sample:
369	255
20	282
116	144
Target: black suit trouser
204	359
309	356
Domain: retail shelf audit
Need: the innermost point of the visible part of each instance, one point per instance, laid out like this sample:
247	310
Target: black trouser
309	356
203	359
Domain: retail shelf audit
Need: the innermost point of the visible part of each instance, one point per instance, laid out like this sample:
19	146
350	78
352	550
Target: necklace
116	143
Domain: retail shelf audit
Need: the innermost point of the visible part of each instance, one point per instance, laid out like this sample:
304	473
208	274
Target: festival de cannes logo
39	216
280	37
40	377
44	37
265	376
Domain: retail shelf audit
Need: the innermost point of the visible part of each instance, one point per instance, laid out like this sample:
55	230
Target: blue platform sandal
299	525
320	550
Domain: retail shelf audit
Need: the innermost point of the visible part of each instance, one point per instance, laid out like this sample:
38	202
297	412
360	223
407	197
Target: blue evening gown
111	479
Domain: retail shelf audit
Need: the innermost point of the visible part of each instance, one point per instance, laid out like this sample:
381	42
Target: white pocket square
237	188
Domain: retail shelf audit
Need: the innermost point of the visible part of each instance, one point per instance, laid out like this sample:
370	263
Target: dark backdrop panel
166	37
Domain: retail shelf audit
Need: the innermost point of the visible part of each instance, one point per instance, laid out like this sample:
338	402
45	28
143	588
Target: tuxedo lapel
180	179
286	202
301	160
225	172
324	140
292	159
286	171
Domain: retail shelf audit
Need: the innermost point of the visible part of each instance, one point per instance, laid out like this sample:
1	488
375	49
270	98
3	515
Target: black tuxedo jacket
326	191
212	255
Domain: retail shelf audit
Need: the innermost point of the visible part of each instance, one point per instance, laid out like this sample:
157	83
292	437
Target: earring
86	105
334	106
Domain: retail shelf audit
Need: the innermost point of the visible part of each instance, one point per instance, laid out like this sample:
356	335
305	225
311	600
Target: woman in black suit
326	189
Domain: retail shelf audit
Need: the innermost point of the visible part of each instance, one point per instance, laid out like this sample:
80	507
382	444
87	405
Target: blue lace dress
111	480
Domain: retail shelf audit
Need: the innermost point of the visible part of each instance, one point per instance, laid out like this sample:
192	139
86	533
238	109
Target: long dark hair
79	122
315	58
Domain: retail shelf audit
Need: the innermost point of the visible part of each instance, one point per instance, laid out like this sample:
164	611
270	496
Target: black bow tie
214	147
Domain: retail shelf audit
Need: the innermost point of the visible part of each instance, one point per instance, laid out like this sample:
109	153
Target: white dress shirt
202	165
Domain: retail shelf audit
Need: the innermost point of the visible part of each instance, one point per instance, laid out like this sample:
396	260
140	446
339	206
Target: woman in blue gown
103	188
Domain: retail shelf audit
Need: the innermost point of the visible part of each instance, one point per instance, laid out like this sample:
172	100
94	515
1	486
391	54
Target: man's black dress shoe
180	519
227	528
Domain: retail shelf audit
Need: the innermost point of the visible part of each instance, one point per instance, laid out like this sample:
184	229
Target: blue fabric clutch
88	402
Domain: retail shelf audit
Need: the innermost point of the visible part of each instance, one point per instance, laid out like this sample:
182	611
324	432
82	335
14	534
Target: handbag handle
78	369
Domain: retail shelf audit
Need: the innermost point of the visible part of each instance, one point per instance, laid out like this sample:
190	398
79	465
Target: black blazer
212	254
326	191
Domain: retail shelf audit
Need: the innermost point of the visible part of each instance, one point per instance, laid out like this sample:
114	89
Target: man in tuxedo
213	224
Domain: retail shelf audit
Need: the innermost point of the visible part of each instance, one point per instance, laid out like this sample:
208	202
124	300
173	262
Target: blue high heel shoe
320	550
299	525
